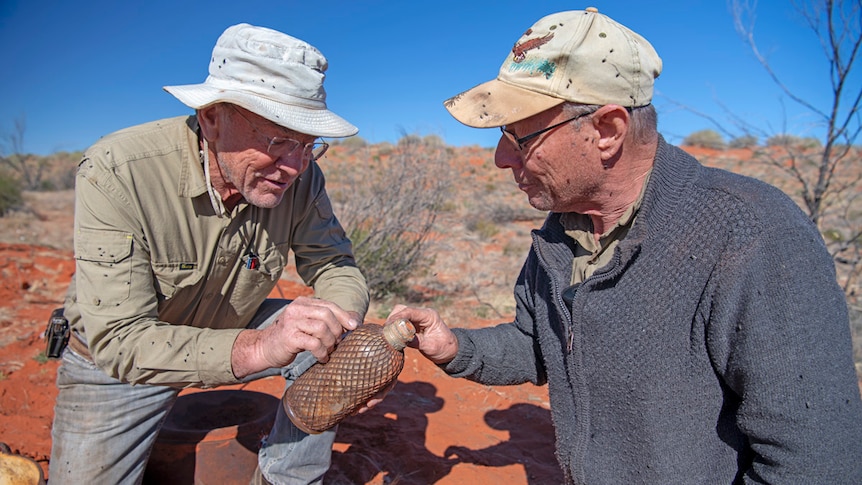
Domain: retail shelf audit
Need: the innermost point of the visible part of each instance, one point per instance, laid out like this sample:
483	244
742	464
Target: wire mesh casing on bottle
365	362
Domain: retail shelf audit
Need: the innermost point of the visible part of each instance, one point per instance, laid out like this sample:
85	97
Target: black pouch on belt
57	334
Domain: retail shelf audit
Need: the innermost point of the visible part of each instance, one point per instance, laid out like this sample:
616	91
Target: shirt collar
580	226
192	181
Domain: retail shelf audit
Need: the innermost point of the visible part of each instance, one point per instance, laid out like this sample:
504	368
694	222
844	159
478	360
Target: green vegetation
705	139
41	357
483	227
352	142
744	141
10	194
388	206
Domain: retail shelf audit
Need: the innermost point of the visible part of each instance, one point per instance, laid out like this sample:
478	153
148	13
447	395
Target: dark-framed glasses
522	142
282	144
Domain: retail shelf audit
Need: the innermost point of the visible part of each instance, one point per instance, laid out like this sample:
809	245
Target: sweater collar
673	173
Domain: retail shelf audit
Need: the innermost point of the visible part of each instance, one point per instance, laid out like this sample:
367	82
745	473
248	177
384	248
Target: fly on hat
271	74
580	56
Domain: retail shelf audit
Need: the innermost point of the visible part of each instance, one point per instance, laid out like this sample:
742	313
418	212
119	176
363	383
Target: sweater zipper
569	324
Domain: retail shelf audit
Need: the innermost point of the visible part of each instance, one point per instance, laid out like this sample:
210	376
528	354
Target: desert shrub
388	206
705	139
410	139
38	173
353	142
793	141
10	193
384	149
486	229
744	141
812	142
433	141
61	170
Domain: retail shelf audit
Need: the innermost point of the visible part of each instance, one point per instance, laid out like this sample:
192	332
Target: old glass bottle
368	360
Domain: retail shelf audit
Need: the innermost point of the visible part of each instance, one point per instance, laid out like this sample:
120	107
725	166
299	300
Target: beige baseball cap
580	56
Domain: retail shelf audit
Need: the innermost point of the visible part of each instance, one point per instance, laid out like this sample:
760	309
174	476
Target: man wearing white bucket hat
182	228
686	320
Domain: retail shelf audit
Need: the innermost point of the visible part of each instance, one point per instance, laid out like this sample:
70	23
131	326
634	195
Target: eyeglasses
310	151
522	142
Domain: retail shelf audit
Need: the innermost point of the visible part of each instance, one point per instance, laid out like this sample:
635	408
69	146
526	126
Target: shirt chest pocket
171	277
104	267
255	280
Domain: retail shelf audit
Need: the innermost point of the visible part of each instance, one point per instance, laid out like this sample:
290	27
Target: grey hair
644	119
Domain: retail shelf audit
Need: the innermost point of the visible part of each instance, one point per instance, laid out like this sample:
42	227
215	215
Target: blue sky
79	70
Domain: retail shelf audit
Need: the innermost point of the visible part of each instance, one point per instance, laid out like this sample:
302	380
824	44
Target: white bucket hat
579	56
270	74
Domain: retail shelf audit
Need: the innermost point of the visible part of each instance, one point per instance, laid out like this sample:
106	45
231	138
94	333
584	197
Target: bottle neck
399	333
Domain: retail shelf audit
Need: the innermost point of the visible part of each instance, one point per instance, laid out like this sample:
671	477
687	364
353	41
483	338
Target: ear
612	122
211	119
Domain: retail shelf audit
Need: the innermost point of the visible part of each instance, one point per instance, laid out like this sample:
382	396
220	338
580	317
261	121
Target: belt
79	347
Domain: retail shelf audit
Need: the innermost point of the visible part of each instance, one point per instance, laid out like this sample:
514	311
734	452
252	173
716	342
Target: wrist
246	355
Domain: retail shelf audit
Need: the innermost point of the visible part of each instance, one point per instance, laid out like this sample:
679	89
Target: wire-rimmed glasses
310	151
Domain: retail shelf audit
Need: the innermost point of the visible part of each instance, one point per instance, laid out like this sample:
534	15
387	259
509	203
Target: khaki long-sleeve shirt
162	286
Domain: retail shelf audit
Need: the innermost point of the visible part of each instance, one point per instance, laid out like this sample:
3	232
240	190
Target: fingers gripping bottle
368	360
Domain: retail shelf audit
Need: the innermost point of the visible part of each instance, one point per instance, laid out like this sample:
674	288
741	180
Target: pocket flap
102	246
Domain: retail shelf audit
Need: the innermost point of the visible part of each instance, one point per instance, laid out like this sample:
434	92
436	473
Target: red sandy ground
430	429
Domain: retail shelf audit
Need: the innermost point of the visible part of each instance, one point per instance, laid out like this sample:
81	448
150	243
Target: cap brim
497	103
316	122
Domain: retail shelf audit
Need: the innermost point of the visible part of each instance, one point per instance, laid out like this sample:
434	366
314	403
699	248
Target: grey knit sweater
714	348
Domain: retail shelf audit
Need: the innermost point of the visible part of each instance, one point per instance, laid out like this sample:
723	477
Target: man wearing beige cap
686	320
182	229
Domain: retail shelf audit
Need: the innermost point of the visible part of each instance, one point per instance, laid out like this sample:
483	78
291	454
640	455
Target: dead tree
824	176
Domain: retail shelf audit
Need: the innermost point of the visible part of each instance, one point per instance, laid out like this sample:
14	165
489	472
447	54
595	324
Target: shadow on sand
391	439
